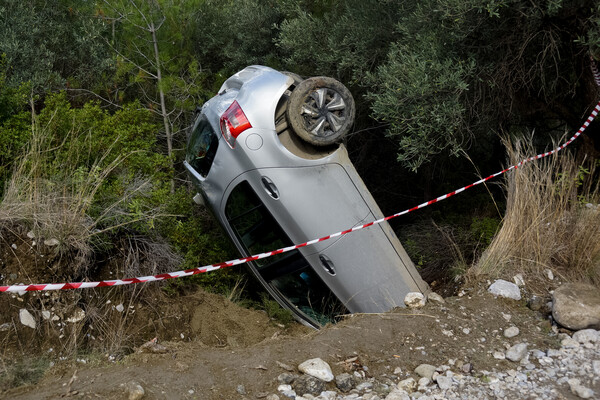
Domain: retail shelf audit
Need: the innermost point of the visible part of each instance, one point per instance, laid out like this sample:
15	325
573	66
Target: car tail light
233	123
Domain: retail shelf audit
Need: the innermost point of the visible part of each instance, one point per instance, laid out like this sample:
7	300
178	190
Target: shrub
552	218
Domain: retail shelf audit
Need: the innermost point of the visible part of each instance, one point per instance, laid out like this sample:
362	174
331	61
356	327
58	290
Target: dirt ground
234	346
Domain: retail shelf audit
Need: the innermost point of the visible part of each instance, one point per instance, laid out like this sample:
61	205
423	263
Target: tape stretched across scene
214	267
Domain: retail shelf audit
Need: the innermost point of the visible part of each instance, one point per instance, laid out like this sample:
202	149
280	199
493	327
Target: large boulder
577	306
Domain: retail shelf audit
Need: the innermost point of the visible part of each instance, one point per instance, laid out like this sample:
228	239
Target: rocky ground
472	346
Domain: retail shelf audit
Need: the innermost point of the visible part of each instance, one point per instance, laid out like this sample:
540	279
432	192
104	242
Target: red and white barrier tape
213	267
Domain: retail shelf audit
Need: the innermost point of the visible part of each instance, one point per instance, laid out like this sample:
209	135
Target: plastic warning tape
214	267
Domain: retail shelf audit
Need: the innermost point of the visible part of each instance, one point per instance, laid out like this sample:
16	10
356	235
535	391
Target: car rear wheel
321	110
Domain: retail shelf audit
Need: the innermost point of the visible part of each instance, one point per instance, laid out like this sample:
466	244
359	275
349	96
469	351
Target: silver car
266	158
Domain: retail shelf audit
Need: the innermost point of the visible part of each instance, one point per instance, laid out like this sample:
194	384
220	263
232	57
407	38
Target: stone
77	316
51	242
505	289
511	332
345	382
272	396
579	390
286	378
549	274
519	280
241	389
317	368
397	394
517	352
423	382
444	382
286	390
425	370
414	300
577	306
569	343
587	335
46	314
134	390
408	385
435	298
498	355
27	319
31	235
596	367
5	327
120	308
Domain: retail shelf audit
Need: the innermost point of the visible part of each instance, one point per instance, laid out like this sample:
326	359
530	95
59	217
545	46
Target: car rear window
202	146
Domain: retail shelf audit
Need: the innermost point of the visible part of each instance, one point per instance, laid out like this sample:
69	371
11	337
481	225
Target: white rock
498	355
569	343
397	371
134	390
31	235
26	318
519	280
505	289
579	390
51	242
596	366
317	368
422	383
397	394
435	298
46	314
587	335
286	390
14	246
549	274
120	308
414	300
77	316
425	370
409	384
444	382
511	332
517	352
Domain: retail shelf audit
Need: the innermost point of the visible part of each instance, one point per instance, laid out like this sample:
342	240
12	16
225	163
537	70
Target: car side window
202	147
289	272
254	226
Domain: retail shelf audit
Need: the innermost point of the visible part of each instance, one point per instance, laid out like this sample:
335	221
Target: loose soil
212	345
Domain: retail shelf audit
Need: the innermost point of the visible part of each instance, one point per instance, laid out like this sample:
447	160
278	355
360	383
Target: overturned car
266	157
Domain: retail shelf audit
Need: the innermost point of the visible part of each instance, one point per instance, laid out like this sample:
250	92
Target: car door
288	277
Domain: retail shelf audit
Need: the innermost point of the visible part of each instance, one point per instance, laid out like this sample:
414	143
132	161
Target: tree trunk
163	107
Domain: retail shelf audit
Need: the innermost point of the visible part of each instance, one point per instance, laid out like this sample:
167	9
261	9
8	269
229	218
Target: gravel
572	371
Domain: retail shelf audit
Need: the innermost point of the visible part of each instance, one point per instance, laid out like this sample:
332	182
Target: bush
552	219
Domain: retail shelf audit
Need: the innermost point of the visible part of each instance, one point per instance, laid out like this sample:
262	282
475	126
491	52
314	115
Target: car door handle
327	264
270	187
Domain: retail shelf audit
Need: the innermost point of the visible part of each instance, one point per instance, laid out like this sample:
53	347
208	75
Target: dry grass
53	196
552	219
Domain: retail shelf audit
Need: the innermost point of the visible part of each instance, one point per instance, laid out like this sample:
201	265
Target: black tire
321	110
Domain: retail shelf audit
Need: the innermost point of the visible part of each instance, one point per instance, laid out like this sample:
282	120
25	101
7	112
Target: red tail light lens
233	123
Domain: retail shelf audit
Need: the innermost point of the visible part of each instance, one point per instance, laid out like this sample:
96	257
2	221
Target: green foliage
275	311
484	229
50	45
